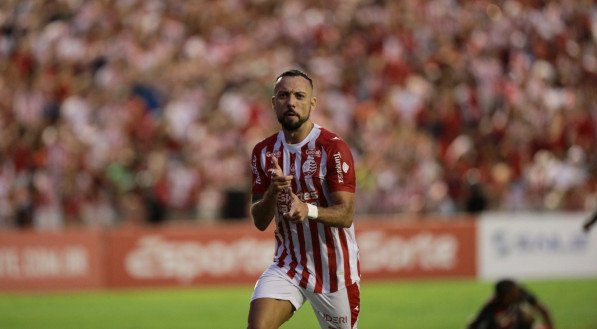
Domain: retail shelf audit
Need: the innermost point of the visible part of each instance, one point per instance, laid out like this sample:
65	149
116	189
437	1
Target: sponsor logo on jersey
338	162
308	197
313	153
277	154
254	169
284	201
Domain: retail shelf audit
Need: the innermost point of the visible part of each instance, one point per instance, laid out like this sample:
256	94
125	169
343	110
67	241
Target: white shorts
338	310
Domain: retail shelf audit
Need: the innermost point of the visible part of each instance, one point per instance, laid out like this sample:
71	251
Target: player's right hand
279	181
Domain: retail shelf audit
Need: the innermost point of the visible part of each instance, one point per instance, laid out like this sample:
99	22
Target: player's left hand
298	211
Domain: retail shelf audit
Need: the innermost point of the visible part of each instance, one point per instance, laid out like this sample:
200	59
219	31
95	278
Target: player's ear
313	102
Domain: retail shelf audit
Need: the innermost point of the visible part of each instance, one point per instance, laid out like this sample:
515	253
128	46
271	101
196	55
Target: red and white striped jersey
319	257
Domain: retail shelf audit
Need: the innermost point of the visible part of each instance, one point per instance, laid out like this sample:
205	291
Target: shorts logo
334	319
309	167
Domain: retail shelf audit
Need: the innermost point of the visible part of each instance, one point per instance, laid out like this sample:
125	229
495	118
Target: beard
290	125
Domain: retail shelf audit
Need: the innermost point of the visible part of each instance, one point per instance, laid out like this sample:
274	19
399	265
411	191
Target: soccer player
511	307
590	222
304	177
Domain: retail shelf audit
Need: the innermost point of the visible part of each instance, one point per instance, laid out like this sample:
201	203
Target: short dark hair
295	73
504	287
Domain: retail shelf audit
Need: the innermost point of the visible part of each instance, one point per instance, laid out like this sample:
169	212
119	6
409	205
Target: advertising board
51	260
535	245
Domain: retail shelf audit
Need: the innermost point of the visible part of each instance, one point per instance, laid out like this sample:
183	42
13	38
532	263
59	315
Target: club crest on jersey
309	167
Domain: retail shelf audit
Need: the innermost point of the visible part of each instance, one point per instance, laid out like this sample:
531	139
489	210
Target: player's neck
297	136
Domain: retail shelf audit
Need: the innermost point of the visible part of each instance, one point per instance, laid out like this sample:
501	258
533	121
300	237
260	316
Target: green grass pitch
441	304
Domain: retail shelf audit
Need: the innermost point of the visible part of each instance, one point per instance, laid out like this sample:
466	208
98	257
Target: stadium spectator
512	307
125	106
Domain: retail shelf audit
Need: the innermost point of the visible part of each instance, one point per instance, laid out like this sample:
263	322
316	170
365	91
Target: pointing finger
275	170
275	163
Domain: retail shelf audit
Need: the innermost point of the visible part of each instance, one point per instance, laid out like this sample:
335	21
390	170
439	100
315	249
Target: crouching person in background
512	307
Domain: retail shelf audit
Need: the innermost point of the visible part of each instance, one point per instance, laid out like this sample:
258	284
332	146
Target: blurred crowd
123	112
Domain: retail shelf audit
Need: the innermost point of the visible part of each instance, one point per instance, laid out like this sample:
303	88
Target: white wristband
313	211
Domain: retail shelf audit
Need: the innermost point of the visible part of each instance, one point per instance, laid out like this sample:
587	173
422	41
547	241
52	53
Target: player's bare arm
263	206
339	214
262	209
